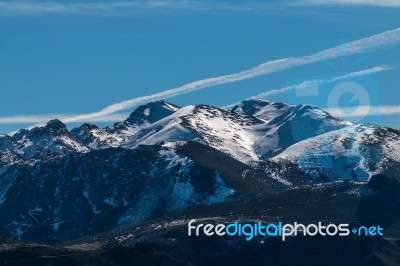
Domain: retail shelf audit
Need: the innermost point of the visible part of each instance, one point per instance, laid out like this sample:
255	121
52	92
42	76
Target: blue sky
60	59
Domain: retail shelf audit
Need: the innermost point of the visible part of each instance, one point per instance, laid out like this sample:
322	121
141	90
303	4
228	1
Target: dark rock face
381	204
80	194
164	241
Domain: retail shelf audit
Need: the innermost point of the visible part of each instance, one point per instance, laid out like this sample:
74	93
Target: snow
110	201
183	192
167	129
342	153
272	111
104	139
286	124
73	144
32	213
173	158
211	126
221	191
18	229
281	180
225	132
56	225
5	184
86	195
171	107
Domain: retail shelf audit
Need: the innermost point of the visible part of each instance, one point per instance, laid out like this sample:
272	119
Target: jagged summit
250	107
56	125
87	126
151	112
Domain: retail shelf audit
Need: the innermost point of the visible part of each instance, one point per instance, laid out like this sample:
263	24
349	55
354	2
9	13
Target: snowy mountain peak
308	109
53	128
85	133
354	152
88	126
151	112
56	126
250	107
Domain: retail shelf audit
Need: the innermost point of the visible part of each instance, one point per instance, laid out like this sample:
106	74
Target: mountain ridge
164	158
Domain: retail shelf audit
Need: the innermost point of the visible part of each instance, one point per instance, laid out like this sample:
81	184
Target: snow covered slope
226	131
355	152
122	132
251	131
287	124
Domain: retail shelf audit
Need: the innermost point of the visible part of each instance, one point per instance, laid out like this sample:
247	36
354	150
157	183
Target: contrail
371	110
306	84
309	83
374	42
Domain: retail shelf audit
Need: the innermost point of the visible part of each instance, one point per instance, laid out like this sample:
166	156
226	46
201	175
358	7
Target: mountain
355	152
52	138
58	185
252	130
287	124
143	116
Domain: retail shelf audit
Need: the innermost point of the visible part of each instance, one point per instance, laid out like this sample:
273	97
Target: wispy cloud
38	7
85	7
377	3
54	7
374	42
310	83
342	112
305	85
